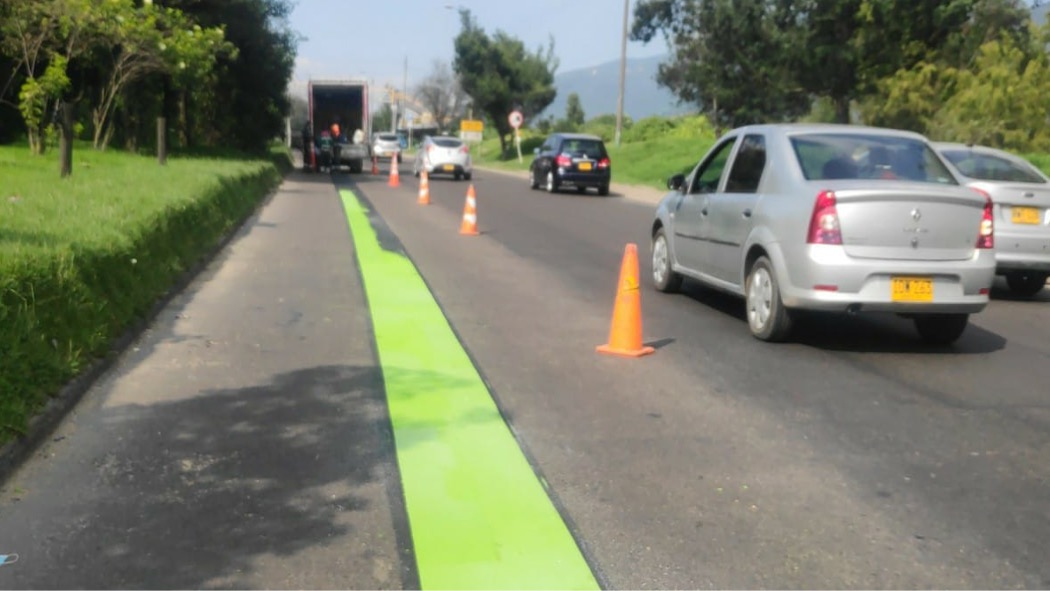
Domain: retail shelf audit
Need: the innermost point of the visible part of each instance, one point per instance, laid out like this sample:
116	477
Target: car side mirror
536	151
676	182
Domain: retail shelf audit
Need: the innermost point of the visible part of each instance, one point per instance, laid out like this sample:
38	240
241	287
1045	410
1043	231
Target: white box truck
340	105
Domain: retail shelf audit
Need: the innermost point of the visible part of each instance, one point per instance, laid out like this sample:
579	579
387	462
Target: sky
372	39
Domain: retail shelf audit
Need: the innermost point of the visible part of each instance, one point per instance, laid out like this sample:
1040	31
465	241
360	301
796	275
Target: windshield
589	148
989	167
386	137
863	156
447	142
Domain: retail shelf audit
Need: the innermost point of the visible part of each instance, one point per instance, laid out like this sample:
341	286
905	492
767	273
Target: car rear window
387	137
447	142
590	148
834	156
989	167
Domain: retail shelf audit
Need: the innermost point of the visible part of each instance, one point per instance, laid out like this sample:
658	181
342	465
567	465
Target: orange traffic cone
470	214
395	178
424	189
375	165
625	333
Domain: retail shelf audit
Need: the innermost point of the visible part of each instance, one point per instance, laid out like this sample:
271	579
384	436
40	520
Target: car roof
799	128
577	136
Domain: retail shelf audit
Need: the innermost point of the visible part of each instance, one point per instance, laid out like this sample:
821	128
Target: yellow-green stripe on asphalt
479	516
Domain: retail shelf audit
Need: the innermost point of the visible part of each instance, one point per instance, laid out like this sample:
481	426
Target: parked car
442	154
386	145
837	218
1021	194
571	159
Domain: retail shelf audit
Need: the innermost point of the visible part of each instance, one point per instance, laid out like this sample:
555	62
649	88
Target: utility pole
623	74
404	107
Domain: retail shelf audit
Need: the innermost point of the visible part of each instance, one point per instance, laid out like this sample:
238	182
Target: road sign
515	119
470	136
472	125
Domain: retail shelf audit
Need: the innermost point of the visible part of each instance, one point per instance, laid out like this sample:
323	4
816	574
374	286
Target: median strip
479	516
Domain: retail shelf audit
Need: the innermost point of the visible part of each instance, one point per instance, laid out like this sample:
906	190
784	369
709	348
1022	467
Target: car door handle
747	213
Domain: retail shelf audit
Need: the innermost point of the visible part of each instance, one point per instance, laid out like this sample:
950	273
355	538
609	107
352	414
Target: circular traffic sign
515	119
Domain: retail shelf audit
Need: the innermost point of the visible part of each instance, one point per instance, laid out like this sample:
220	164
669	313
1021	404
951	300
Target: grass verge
83	258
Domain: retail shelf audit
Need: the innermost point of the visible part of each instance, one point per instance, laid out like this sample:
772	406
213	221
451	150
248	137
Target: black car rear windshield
989	167
872	157
590	148
387	137
447	142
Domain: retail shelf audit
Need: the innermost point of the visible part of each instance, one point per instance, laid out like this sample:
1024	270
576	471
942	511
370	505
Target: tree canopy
500	75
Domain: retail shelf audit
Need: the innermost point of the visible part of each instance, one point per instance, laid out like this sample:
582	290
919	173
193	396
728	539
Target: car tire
1025	283
468	176
552	182
533	184
603	190
941	329
665	278
767	318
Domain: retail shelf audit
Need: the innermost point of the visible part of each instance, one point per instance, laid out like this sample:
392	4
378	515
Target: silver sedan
829	217
1021	194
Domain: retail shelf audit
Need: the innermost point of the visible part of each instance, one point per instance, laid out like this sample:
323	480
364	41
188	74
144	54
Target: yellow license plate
449	167
911	289
585	166
1025	215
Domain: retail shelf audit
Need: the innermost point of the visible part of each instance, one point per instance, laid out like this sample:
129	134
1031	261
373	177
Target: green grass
83	258
637	163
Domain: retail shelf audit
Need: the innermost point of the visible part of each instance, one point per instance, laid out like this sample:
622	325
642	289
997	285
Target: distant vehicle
444	155
344	103
571	159
828	217
386	145
1021	194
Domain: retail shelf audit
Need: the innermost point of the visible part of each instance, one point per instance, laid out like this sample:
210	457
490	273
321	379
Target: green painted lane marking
479	516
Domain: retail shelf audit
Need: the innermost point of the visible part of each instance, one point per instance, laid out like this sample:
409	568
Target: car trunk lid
919	221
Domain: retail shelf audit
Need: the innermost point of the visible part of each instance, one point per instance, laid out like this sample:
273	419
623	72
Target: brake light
824	225
986	235
465	149
563	161
429	149
603	163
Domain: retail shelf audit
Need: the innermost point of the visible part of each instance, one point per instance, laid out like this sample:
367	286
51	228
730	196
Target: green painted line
479	516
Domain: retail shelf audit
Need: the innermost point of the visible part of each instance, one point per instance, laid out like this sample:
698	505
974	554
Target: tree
499	75
383	118
574	115
43	37
724	51
442	95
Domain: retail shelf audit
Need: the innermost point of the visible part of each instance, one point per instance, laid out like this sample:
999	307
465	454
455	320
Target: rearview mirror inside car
676	182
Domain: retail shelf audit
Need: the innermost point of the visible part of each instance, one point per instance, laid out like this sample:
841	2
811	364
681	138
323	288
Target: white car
1021	194
444	155
386	145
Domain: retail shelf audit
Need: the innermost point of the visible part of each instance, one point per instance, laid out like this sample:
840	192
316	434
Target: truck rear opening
343	103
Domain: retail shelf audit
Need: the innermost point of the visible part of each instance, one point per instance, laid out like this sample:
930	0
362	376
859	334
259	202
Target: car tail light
563	161
430	149
824	225
465	149
603	163
986	235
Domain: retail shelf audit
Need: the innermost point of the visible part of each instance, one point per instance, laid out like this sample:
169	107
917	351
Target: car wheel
603	190
1025	283
941	329
532	180
767	317
664	277
552	183
468	176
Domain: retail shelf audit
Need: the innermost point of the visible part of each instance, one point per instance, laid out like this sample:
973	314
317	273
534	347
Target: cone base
610	350
470	232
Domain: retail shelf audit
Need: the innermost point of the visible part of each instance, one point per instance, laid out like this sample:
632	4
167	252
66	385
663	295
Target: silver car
829	217
1021	194
441	154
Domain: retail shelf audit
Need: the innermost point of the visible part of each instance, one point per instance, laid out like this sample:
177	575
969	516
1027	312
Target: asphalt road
243	442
